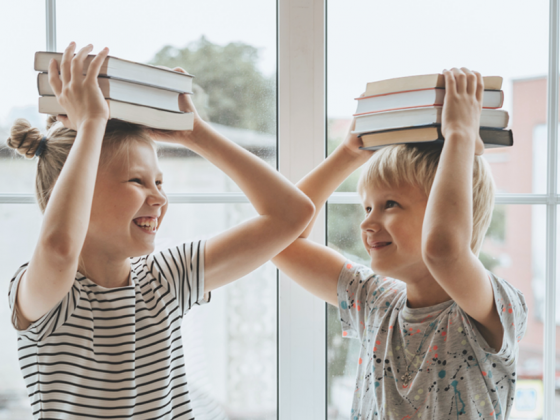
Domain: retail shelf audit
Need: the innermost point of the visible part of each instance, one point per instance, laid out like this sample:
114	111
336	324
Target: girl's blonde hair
25	139
416	165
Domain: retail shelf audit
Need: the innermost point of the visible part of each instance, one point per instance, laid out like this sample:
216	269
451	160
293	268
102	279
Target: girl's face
392	230
128	204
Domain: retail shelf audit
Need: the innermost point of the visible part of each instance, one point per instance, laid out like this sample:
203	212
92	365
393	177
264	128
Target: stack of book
409	109
136	92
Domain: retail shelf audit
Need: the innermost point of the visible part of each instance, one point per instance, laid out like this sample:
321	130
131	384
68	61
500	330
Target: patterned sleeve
182	267
512	310
42	328
359	291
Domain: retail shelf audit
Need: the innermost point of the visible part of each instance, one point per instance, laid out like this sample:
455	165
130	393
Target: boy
441	341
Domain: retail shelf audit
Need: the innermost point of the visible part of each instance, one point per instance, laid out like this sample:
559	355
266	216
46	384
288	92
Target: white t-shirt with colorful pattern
454	373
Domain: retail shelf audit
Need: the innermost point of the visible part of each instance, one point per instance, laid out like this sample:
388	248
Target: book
492	99
367	123
124	91
491	137
423	81
118	68
137	114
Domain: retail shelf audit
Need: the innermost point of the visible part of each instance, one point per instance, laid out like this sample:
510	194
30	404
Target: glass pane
390	40
229	344
231	53
512	253
19	84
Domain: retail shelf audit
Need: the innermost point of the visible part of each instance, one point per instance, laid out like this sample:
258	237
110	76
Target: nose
370	223
157	197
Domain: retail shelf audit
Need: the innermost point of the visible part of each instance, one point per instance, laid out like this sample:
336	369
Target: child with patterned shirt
438	331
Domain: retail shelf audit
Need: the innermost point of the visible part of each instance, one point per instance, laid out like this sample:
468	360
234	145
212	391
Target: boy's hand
185	105
462	106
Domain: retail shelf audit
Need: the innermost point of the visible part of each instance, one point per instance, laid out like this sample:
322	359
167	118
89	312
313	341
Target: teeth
146	222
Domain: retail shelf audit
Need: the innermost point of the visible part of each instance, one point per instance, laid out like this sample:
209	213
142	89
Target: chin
141	251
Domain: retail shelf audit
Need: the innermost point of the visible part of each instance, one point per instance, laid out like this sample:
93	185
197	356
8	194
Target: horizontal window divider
209	198
354	198
336	198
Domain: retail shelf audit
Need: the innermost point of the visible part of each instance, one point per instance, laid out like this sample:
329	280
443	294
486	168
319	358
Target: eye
368	210
390	203
159	183
136	180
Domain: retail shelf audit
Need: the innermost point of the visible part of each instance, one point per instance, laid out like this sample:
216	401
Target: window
273	350
384	40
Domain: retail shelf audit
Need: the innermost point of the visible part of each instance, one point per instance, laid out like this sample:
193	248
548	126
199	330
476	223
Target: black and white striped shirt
115	353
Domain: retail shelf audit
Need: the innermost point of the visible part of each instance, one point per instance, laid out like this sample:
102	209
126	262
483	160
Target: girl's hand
462	105
79	95
185	138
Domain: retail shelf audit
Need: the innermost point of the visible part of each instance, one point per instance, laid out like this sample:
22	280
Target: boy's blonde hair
416	165
25	139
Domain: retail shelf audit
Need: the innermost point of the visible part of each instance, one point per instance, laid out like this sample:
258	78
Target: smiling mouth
148	224
380	245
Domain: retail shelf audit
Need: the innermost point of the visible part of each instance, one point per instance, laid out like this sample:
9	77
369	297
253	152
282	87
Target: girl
98	313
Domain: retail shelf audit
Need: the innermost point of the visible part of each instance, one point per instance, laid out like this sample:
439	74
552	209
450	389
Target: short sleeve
512	310
359	291
182	267
42	328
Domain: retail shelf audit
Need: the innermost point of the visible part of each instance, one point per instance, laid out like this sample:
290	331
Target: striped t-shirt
115	353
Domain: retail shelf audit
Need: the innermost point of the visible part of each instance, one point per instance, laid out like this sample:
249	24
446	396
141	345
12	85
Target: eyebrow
139	169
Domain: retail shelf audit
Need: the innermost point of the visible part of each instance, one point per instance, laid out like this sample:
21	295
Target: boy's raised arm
448	221
317	267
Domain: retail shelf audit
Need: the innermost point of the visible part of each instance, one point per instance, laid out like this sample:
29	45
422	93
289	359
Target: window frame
301	140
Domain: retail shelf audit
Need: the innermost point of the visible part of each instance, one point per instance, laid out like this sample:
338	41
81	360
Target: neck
425	291
105	272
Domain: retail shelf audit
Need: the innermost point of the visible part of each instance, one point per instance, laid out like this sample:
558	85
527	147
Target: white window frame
301	146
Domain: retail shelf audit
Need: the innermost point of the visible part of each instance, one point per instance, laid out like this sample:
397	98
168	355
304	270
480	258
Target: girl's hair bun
24	138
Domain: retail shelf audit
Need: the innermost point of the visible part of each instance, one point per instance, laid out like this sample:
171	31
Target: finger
479	147
479	87
450	87
185	103
180	70
64	120
54	78
460	80
96	63
77	67
471	81
65	63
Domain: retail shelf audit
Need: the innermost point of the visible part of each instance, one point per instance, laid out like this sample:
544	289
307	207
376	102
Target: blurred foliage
231	89
497	228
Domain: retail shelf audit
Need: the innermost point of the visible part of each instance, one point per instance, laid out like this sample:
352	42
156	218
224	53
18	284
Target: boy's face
392	230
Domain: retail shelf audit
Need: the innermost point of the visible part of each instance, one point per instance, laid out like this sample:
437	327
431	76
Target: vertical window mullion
50	15
551	220
301	131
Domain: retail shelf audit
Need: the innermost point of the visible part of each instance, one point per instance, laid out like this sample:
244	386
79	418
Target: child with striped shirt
98	313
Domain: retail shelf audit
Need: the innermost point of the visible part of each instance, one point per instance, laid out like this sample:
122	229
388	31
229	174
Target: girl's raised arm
52	268
284	211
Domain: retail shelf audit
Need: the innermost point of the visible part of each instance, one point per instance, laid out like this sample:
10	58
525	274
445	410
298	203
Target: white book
127	70
492	99
136	114
497	118
124	91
